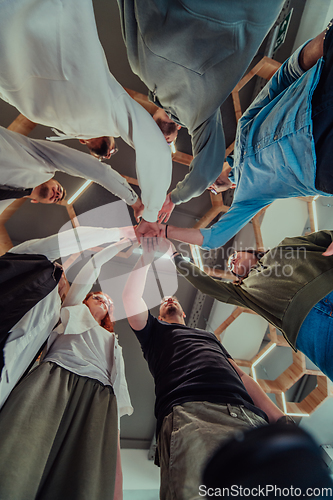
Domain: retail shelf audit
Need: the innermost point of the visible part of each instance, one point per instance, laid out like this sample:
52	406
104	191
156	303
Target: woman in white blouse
59	427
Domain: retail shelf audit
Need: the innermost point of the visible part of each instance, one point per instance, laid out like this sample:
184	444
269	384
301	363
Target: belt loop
231	413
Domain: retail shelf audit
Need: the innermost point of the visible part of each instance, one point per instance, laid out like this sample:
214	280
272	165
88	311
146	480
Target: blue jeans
315	338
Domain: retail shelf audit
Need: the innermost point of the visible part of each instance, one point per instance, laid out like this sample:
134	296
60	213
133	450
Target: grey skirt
58	438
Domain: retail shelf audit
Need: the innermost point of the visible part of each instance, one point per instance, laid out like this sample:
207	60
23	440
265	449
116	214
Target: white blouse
28	335
80	345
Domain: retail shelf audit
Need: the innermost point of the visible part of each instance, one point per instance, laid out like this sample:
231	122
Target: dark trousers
322	117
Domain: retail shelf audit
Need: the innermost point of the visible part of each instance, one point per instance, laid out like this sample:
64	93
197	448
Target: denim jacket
274	155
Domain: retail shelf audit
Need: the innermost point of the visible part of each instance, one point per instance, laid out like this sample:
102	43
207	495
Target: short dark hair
103	149
256	253
167	128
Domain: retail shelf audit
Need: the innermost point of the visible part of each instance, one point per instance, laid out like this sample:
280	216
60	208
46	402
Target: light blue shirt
274	155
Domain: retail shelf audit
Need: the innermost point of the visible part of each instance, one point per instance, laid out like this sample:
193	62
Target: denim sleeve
230	223
287	74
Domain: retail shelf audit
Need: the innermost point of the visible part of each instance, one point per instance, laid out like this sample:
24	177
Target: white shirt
27	163
80	344
54	71
33	329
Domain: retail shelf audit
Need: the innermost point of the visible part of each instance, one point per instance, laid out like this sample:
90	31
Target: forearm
80	164
286	75
186	235
136	282
153	155
208	146
261	400
69	242
90	272
135	307
312	51
218	289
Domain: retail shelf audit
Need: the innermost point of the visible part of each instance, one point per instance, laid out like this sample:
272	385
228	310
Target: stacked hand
153	246
147	229
166	210
138	208
329	250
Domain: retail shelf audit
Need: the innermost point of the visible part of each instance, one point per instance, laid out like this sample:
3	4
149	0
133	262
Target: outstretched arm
80	164
90	272
72	241
152	153
208	146
222	231
293	68
259	397
135	307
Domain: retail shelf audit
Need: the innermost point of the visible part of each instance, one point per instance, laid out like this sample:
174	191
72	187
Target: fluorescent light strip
197	257
79	191
298	414
284	402
254	375
315	217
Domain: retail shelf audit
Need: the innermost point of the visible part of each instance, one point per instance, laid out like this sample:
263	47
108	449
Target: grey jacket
191	54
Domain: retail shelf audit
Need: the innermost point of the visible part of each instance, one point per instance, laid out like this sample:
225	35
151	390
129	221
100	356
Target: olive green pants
58	438
188	438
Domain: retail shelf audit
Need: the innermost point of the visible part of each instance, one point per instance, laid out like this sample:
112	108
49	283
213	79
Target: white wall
316	16
139	473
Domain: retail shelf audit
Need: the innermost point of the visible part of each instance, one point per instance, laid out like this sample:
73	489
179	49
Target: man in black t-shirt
202	396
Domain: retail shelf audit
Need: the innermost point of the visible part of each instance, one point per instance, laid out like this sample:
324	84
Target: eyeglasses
112	152
102	298
169	299
59	194
231	264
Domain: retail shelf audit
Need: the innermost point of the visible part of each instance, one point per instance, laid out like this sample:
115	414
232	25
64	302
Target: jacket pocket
204	42
30	41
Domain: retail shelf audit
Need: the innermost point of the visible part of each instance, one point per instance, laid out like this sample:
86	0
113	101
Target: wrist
137	203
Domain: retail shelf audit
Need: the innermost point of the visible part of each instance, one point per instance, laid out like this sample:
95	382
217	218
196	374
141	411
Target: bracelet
166	230
329	26
175	253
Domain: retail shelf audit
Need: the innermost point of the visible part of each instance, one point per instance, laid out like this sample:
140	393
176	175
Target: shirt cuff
293	62
150	215
133	199
174	196
206	233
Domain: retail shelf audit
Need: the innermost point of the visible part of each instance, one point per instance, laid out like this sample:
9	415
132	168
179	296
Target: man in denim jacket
283	143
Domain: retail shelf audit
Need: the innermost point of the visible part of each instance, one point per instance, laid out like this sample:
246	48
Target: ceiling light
79	191
197	257
285	408
315	217
259	359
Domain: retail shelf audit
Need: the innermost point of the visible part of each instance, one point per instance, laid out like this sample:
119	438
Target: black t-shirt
189	364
